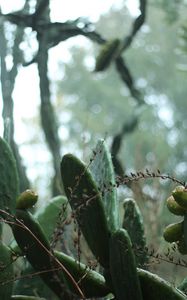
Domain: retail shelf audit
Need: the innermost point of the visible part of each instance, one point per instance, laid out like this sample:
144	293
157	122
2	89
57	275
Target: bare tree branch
7	85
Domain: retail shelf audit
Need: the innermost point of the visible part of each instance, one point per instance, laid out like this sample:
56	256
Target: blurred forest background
54	101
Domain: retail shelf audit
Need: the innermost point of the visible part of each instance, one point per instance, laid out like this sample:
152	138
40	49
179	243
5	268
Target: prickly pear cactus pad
133	223
35	245
123	267
6	272
48	215
8	179
155	288
103	173
85	200
91	283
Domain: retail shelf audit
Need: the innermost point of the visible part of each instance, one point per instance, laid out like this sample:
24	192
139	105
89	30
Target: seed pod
106	55
27	199
173	232
180	196
174	207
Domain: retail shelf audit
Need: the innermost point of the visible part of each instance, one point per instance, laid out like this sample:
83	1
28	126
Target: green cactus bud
27	199
180	196
173	232
108	52
174	207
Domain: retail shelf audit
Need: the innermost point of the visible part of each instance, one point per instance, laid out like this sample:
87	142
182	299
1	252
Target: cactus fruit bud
173	232
180	196
27	199
174	207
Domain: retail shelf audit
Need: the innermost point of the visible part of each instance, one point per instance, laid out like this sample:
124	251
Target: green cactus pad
85	200
27	199
173	232
133	223
183	286
8	179
38	257
91	283
48	215
6	272
123	267
32	285
103	173
155	288
107	53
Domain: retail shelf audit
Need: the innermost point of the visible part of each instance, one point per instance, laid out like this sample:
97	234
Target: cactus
133	223
32	285
156	288
103	174
48	215
174	207
173	232
8	179
93	200
177	204
180	196
91	283
6	272
183	286
85	200
35	245
123	267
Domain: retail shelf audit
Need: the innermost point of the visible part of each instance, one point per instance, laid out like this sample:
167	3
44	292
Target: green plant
92	196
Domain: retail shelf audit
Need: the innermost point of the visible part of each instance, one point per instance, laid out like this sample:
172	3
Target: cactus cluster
92	197
177	232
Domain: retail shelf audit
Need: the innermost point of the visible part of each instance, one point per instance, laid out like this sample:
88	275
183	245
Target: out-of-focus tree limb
7	84
48	119
129	81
